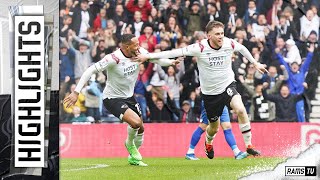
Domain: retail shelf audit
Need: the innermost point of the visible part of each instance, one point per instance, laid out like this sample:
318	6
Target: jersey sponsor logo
114	57
128	71
217	60
229	92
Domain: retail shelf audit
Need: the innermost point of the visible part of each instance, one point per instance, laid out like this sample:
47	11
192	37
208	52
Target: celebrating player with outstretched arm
217	80
118	97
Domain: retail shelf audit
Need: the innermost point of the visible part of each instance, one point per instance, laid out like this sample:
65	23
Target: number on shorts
138	108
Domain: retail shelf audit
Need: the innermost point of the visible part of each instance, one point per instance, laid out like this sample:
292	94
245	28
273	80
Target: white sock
190	151
246	133
209	138
132	133
139	140
236	151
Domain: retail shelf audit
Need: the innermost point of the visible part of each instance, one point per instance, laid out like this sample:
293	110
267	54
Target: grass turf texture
163	168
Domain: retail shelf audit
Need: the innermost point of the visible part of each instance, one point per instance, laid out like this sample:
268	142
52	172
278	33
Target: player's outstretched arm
73	97
245	52
167	62
191	50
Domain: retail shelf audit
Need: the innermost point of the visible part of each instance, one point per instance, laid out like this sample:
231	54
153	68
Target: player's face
216	36
133	47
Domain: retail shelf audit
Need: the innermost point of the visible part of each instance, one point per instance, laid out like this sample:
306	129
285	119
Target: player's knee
141	130
136	124
241	111
226	126
214	129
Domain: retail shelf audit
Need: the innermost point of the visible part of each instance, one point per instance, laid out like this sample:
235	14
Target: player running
118	98
228	135
217	79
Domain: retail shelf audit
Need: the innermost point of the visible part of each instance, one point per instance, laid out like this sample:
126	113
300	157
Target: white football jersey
122	74
215	65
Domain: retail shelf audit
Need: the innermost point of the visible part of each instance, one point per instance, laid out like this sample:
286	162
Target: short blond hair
213	24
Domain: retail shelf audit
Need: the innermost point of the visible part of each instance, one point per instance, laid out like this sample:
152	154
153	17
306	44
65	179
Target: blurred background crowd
283	34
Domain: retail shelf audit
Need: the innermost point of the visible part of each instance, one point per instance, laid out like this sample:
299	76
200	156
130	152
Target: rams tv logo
29	91
301	171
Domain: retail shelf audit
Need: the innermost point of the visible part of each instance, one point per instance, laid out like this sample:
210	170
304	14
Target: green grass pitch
163	168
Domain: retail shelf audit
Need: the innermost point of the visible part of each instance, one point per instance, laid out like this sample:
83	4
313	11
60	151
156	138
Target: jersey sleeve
193	49
107	61
235	45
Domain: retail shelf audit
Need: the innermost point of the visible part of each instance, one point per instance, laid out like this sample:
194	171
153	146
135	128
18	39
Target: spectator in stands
259	28
186	113
260	108
67	20
285	103
69	7
173	32
285	30
251	12
77	116
194	17
83	56
82	19
212	14
93	100
232	15
161	112
142	6
101	20
308	23
293	54
99	50
296	80
312	76
121	19
140	90
148	37
172	79
110	38
137	25
281	45
155	19
195	103
66	67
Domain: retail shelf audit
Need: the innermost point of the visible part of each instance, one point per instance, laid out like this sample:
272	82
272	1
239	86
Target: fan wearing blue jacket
296	81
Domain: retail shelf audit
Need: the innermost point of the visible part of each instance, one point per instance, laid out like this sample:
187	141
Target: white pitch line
97	166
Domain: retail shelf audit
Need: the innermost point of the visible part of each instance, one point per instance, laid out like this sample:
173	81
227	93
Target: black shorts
118	106
214	104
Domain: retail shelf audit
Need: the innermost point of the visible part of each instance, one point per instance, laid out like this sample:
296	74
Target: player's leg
214	106
120	109
211	132
197	134
244	123
138	140
228	135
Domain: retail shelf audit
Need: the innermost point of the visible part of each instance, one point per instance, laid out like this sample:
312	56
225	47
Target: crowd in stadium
283	35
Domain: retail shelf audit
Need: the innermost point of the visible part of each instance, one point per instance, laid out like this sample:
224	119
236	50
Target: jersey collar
213	47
